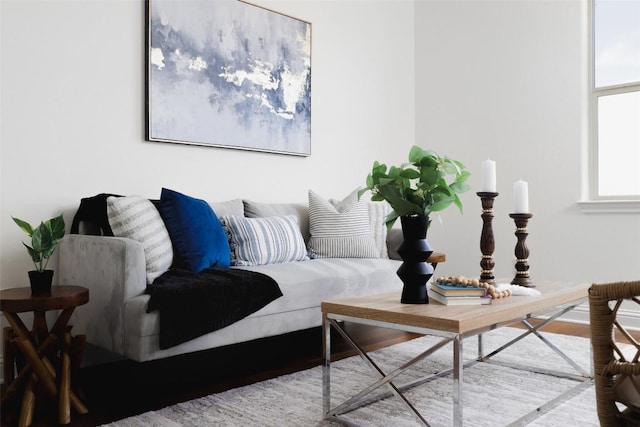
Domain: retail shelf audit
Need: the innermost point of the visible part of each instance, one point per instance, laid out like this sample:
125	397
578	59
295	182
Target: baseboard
628	318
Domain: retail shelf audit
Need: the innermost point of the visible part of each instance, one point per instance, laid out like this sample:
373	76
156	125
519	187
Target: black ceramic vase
415	271
40	281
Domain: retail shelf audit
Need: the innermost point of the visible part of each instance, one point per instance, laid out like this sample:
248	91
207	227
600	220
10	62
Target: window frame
596	203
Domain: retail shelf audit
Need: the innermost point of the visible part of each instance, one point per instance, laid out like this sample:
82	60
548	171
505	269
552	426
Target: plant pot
40	281
414	250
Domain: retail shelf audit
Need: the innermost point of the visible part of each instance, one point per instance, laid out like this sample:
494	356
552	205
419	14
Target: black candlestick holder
521	251
487	242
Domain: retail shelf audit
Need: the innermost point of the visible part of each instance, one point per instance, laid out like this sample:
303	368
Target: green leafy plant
44	239
419	187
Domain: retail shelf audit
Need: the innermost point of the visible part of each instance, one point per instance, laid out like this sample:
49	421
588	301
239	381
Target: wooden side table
47	354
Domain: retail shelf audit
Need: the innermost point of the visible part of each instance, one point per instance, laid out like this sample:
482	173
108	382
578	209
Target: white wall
472	79
507	81
72	116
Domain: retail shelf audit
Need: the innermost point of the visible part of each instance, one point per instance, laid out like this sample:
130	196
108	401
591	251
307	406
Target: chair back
616	353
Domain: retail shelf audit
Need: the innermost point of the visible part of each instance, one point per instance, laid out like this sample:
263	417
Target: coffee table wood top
437	257
386	307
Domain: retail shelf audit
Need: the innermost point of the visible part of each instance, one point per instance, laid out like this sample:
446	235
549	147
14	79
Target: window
615	100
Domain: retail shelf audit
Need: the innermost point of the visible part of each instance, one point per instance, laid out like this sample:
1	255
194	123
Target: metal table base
339	413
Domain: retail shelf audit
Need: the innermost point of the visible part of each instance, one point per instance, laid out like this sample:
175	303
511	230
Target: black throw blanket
192	305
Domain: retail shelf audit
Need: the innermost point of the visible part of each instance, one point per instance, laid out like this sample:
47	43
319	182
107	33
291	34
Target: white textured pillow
268	240
136	218
377	214
340	229
261	210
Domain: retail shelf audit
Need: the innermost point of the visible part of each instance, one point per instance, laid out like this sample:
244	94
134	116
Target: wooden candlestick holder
522	252
487	242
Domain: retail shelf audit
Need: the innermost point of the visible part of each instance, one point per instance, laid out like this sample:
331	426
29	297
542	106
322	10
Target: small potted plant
414	191
44	240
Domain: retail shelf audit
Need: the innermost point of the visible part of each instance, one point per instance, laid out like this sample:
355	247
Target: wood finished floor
125	388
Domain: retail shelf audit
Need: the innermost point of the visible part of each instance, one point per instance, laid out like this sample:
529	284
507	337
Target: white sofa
116	318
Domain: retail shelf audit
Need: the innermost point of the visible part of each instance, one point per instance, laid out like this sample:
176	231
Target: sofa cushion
307	284
228	207
196	233
260	210
340	229
304	285
269	240
136	218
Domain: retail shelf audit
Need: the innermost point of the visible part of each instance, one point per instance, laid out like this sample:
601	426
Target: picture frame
228	73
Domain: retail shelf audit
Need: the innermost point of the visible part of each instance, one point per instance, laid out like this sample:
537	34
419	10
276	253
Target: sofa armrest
394	239
113	269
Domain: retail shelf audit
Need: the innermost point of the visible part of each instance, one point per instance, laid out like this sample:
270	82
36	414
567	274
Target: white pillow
268	240
137	218
340	229
377	214
261	210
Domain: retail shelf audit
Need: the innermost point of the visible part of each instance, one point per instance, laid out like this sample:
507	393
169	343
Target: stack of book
449	294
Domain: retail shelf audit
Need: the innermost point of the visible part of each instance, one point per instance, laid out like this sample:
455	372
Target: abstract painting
227	73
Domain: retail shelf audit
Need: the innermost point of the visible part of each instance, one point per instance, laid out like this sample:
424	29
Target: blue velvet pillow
198	238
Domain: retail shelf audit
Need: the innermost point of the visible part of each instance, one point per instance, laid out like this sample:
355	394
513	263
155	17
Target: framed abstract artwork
227	73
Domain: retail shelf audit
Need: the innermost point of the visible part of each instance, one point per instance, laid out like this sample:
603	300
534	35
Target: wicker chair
617	372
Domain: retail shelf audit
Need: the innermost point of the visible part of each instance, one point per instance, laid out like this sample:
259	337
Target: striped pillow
377	215
340	229
268	240
137	218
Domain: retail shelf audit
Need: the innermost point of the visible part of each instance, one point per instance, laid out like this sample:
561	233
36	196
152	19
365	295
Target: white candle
488	176
521	197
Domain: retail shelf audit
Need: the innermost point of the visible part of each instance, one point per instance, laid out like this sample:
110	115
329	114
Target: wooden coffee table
453	324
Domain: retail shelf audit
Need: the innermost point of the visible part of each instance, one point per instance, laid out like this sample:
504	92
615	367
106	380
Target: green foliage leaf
57	227
35	255
460	187
463	176
395	172
24	226
415	154
399	204
410	174
441	205
419	187
458	203
391	219
363	190
37	237
386	181
451	168
430	176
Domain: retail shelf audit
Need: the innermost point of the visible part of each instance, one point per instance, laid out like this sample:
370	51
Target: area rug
493	394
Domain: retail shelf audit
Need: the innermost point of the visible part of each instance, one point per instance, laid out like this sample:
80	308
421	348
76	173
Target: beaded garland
492	291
